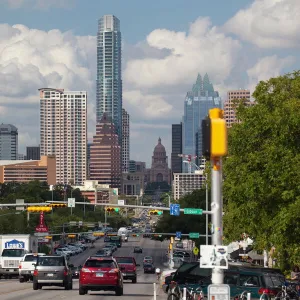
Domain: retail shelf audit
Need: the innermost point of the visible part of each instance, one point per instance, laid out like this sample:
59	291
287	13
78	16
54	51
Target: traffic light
111	209
214	134
58	205
39	208
156	212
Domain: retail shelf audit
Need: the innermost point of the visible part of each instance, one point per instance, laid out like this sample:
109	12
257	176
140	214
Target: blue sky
52	43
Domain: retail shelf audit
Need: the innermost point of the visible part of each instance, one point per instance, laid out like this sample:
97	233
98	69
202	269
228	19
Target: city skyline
161	59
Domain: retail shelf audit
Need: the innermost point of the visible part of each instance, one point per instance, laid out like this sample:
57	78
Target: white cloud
203	49
25	139
267	67
268	23
37	4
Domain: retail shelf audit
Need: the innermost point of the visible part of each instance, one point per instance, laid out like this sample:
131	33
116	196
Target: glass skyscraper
109	78
197	103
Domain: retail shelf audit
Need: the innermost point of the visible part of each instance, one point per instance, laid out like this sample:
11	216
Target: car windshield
13	252
94	263
124	260
148	266
137	248
50	261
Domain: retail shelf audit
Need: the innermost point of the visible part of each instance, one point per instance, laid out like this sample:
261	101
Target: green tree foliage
262	171
186	223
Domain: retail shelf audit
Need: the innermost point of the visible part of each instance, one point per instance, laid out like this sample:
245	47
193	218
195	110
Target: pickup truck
27	266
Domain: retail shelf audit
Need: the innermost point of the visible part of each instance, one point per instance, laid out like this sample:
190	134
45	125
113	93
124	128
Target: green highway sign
194	235
193	211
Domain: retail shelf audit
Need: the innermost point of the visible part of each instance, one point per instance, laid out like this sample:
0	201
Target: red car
128	267
100	274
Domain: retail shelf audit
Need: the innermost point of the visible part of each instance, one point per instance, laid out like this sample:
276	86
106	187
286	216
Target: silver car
52	270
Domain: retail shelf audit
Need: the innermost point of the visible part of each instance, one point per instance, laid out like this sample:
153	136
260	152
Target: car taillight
35	273
266	291
85	270
65	272
134	269
20	267
114	271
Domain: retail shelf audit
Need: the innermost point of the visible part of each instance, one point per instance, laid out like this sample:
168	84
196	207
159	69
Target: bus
116	240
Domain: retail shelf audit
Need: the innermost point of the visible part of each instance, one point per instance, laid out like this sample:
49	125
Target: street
143	289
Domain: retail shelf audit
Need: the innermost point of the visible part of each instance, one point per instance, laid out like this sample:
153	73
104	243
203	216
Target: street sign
41	234
41	227
218	292
174	209
121	202
20	201
193	211
71	202
213	257
178	234
196	251
194	235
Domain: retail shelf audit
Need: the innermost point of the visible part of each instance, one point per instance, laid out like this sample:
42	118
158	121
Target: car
128	267
76	271
52	270
106	239
138	250
100	274
149	268
148	259
102	253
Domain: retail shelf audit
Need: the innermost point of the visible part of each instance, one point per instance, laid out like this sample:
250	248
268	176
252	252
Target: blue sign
178	234
14	244
174	209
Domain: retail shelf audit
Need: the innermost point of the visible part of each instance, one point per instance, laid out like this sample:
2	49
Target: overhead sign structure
194	235
71	202
213	257
193	211
174	209
218	292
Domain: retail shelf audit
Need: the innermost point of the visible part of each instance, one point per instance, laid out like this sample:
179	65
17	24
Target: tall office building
125	141
230	105
63	132
105	156
197	103
33	153
8	142
176	161
109	78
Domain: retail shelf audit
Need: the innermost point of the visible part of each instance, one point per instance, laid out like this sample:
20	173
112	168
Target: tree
186	223
261	172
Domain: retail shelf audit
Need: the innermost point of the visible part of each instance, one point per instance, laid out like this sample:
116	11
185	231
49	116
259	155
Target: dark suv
52	271
100	274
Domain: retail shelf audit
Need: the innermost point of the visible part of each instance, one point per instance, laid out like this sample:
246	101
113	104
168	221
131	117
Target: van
122	231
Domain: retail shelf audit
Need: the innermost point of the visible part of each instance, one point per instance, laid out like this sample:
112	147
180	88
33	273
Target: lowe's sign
14	244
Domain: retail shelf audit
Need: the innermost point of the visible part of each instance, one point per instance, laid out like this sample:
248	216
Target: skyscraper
109	80
105	156
33	152
125	141
197	103
63	131
8	142
176	161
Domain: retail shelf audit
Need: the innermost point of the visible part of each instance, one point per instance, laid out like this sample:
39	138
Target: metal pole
105	217
84	208
184	294
154	291
28	218
206	216
71	210
169	200
216	206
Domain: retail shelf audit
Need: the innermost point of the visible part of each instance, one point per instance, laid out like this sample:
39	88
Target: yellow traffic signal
72	236
39	209
153	212
214	134
58	205
116	209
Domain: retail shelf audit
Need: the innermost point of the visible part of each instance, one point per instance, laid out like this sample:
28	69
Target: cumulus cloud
203	49
267	67
268	23
37	4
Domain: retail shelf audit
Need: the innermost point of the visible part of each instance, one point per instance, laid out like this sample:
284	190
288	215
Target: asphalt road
143	289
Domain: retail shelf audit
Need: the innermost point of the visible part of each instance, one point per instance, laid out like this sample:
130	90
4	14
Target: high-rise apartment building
63	132
33	152
230	105
109	78
176	161
197	103
105	156
125	141
8	142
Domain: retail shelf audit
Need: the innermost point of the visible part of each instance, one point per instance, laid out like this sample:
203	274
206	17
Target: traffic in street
143	289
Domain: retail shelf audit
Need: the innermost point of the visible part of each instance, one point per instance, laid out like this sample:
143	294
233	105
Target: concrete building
230	105
33	152
8	142
109	72
133	184
159	171
176	161
63	132
28	170
21	156
125	141
98	193
88	155
105	161
186	183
